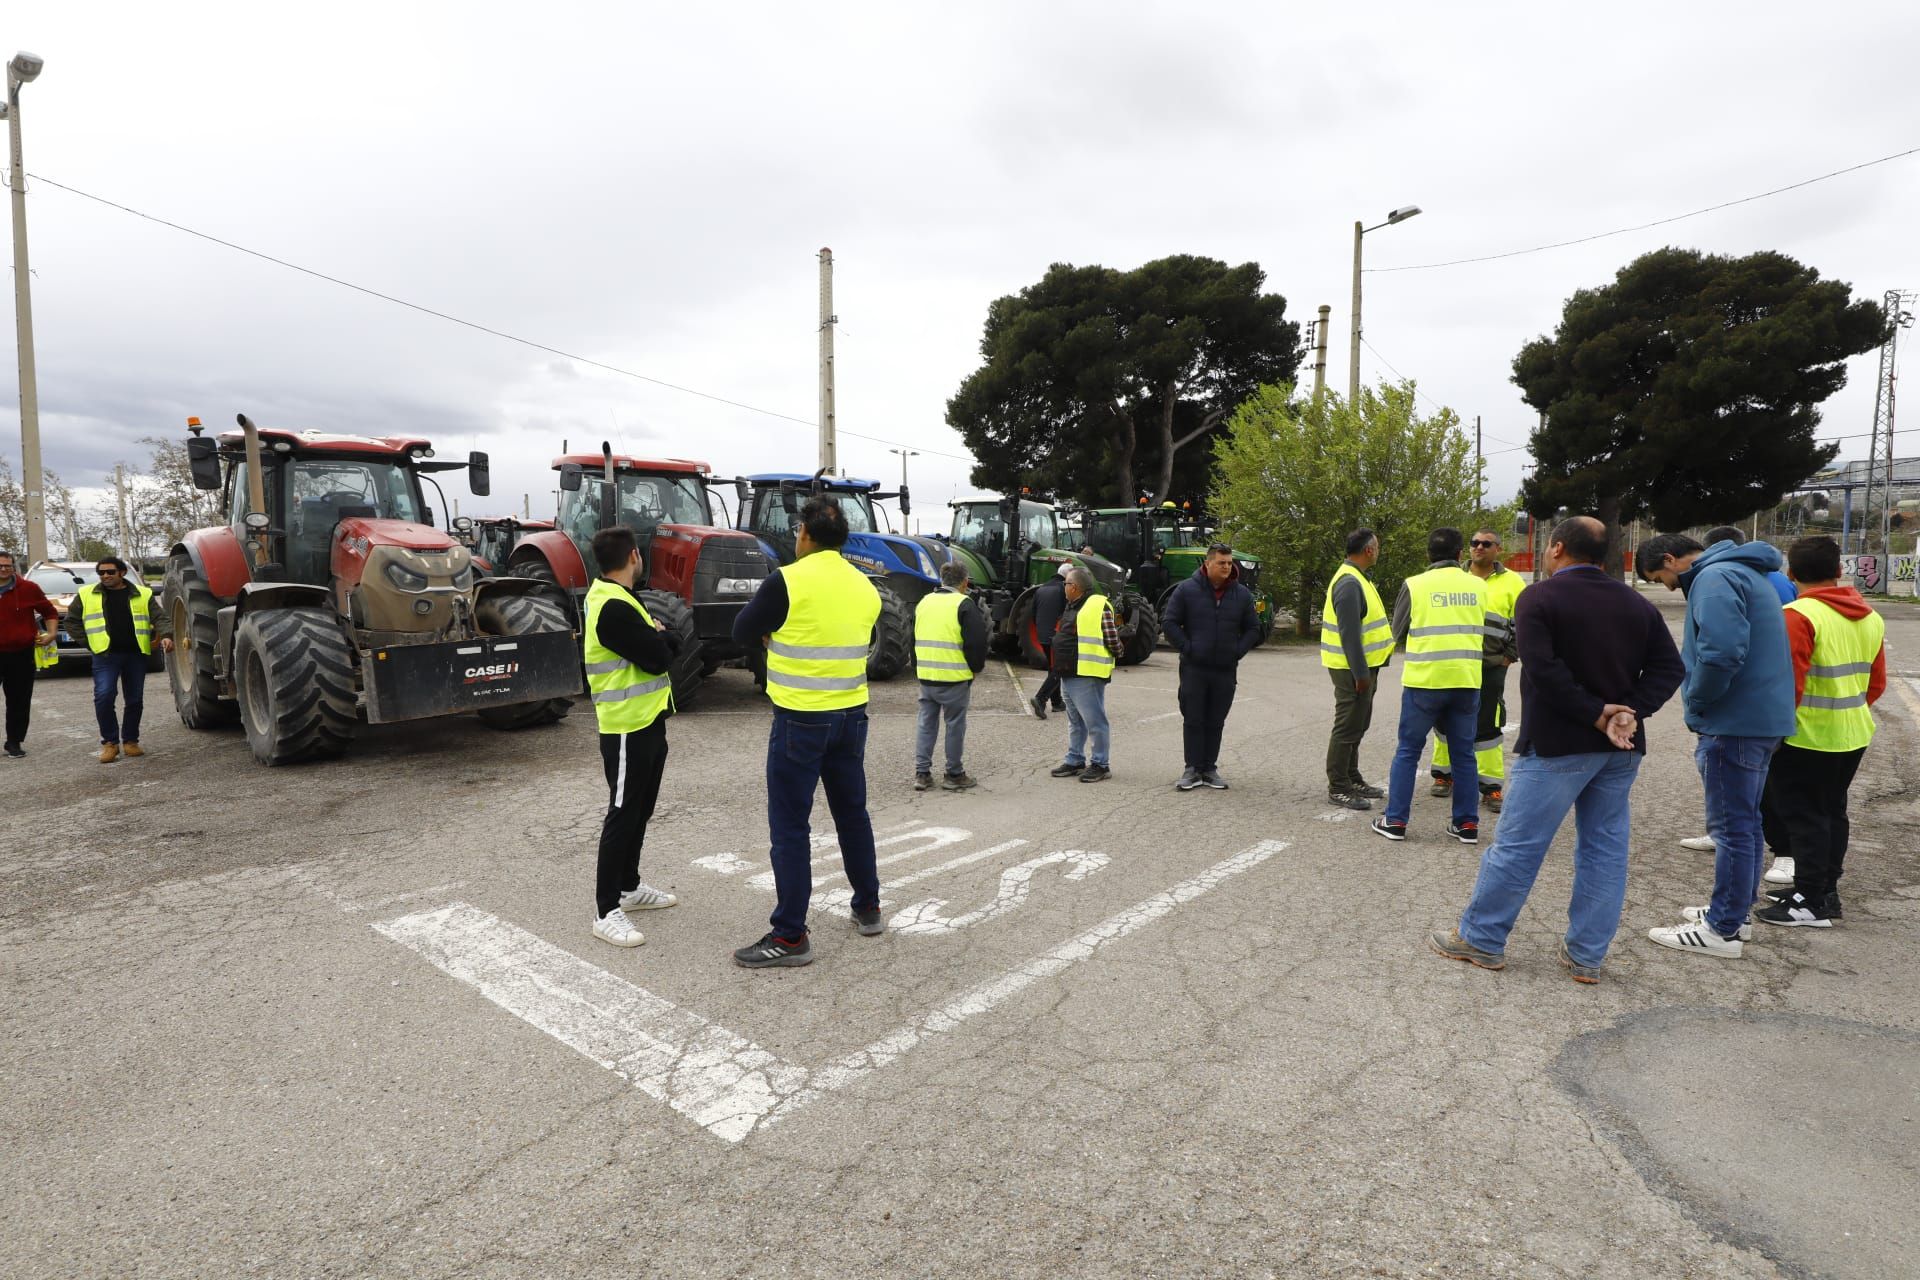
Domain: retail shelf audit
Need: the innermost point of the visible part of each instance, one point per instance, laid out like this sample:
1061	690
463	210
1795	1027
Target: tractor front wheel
293	669
891	649
523	616
1026	632
1138	646
194	612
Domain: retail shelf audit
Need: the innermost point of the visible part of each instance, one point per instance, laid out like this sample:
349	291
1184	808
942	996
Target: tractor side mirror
906	502
570	473
741	495
203	462
426	517
479	477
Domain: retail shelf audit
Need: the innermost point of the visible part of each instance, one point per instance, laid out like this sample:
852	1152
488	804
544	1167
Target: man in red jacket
21	603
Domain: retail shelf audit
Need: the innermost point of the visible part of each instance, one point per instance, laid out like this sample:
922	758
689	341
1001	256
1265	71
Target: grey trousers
938	702
1352	713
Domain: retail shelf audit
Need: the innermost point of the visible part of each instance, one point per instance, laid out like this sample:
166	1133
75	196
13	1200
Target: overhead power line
474	325
1659	222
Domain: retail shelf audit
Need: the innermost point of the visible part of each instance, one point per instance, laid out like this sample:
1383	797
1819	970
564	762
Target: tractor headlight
463	580
926	563
404	578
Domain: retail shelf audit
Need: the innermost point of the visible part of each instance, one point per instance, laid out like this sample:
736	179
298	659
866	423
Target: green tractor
1011	546
1160	547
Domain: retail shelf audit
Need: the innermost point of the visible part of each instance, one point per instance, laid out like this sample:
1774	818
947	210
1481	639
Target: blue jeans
1086	718
1452	712
1539	792
1734	773
128	673
937	702
806	748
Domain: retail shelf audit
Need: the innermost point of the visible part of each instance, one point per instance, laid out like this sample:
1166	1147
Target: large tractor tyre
1138	647
195	614
524	616
689	669
1026	633
891	650
293	670
1266	621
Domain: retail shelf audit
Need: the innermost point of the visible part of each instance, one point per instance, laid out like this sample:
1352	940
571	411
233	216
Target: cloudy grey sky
647	185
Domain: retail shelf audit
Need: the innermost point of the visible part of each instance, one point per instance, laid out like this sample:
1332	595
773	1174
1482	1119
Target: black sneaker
961	781
1212	778
1067	770
1442	788
1795	911
774	950
1096	773
922	782
1188	779
1831	906
1467	832
869	922
1366	790
1349	800
15	750
1039	708
1391	830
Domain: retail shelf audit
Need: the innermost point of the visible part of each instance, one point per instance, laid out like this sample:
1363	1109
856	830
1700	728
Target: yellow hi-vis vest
93	616
1090	640
625	698
938	657
1833	714
1447	631
817	660
1376	632
1501	593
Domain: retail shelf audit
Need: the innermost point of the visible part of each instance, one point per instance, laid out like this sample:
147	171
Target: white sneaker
1696	938
644	897
614	927
1698	915
1781	872
1699	844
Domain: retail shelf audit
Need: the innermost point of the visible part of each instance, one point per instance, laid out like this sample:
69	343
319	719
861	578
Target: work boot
961	781
1367	791
109	752
923	782
1039	707
1492	800
1442	787
131	749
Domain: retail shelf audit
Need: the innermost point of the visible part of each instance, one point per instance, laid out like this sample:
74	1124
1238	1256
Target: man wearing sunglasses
121	624
28	621
1501	586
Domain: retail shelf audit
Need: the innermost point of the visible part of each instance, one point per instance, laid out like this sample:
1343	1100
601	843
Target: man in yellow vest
1084	651
1440	616
1502	587
815	617
949	650
1356	641
628	657
117	617
1839	672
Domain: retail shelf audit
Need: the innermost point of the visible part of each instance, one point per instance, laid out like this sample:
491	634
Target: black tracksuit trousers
1804	812
635	763
1206	695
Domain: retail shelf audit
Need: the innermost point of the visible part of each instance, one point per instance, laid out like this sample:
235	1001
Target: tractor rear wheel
689	667
1026	632
891	649
1138	646
195	615
293	670
523	616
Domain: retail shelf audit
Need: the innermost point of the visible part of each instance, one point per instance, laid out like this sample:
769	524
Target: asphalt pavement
347	1019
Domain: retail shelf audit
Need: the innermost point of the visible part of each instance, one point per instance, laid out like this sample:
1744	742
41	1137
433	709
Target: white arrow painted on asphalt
1015	882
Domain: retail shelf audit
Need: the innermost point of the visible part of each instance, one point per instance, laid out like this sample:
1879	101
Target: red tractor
329	597
696	575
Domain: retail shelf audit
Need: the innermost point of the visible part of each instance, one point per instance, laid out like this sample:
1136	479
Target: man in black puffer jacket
1211	620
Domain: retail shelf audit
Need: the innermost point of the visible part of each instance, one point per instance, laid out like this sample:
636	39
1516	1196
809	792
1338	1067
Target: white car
62	580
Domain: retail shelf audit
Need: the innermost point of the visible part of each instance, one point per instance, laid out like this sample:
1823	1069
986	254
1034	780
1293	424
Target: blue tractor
903	569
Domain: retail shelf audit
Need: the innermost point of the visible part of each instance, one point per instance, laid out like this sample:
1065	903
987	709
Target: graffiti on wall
1901	568
1866	569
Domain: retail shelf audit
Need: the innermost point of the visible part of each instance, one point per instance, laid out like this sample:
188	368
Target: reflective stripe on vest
93	617
938	656
626	699
1376	632
1447	605
1090	640
817	660
1501	595
1833	713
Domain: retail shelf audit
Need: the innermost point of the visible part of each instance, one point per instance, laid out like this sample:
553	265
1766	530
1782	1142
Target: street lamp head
25	66
1403	213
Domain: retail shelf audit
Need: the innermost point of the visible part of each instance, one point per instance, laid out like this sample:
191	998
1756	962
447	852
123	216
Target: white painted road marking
723	1082
1164	715
925	917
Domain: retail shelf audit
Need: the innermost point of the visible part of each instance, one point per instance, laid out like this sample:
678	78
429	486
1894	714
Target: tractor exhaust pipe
609	497
256	487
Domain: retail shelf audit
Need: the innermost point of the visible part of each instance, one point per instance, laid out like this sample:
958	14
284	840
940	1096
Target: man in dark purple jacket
1595	661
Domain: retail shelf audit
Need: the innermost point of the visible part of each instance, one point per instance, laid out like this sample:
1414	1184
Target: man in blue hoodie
1739	698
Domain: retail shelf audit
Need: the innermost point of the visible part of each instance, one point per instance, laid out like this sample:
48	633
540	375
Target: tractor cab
998	530
776	499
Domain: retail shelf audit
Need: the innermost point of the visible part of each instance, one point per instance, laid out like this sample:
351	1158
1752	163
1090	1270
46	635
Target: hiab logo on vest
1451	599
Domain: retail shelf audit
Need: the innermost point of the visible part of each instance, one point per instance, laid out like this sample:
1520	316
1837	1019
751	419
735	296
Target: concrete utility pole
829	459
22	70
1353	346
1477	485
1320	350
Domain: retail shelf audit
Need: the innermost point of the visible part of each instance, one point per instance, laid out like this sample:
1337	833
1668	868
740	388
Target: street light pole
22	70
1353	346
904	455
